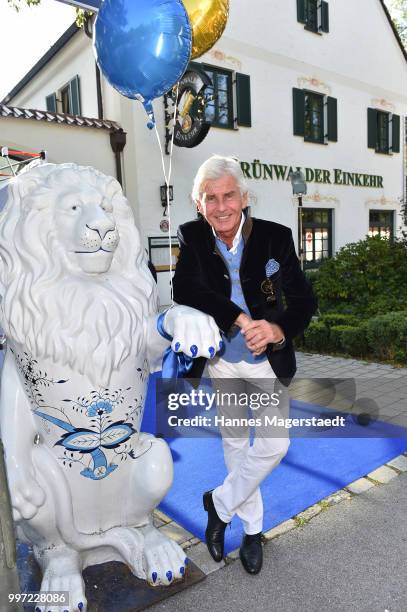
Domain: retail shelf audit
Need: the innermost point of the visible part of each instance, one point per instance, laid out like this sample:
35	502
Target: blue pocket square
272	266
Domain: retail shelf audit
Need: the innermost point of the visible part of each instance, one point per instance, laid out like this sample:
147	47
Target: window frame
65	90
387	128
230	98
308	26
381	225
323	126
312	226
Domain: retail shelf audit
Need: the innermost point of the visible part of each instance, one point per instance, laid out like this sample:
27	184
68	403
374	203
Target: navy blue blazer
202	281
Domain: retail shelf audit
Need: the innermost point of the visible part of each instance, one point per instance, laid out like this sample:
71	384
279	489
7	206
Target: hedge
383	337
364	278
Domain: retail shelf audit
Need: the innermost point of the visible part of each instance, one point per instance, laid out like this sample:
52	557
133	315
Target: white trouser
247	464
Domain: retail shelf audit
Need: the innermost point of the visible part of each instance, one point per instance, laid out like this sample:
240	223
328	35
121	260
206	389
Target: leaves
398	12
365	278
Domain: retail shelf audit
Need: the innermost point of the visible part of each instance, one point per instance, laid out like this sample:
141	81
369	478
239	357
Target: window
219	109
316	235
381	223
315	116
66	100
314	14
383	131
229	98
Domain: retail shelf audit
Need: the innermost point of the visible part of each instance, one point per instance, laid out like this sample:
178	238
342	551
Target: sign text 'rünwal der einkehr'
277	172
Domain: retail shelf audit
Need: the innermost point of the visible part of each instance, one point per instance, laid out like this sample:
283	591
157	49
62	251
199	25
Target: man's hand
258	334
243	320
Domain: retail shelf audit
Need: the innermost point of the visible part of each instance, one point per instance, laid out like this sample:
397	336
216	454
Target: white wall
84	146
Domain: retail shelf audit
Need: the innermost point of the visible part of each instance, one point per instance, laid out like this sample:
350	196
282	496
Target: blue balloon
142	46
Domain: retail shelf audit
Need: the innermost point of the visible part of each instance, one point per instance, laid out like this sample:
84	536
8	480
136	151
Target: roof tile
62	118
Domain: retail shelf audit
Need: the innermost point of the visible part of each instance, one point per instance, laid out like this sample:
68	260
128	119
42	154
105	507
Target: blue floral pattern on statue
85	445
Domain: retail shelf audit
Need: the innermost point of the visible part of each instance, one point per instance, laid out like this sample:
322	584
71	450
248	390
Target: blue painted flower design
99	408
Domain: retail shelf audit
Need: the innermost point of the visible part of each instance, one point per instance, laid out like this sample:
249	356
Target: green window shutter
372	128
243	100
74	96
301	11
332	119
298	112
325	17
396	134
51	102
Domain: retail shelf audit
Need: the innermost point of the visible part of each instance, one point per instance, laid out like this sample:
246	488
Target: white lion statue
79	310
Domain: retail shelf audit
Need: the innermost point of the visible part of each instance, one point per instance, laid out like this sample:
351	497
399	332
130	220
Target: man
237	269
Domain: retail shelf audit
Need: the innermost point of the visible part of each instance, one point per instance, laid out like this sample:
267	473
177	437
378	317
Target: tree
80	14
398	12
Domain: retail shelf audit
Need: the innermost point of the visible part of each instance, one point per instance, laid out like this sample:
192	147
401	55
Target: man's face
221	204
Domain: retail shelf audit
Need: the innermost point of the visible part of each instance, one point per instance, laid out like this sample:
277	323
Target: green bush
312	276
334	318
335	337
387	335
364	278
354	341
316	336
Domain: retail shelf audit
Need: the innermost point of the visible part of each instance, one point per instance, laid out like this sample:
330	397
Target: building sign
276	172
191	126
89	5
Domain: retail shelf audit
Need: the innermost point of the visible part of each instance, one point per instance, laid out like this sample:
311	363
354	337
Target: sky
25	37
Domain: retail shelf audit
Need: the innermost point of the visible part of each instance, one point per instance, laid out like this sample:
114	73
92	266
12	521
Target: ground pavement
348	552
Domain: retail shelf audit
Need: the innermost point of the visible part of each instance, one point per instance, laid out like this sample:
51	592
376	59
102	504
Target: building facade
300	84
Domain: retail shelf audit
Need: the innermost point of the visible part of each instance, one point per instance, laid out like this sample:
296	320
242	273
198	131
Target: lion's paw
63	573
164	559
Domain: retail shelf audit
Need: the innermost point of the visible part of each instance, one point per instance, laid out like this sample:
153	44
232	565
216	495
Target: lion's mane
50	307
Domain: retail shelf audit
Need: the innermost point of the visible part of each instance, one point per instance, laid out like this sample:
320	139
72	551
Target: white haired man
237	269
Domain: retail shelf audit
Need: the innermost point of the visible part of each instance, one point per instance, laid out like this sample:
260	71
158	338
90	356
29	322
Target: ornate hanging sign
191	126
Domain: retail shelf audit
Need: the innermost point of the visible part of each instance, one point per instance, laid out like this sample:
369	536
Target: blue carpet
311	470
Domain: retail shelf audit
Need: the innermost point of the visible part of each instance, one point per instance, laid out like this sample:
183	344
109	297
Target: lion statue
79	309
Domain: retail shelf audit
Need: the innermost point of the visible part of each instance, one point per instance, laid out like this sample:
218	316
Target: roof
71	31
59	118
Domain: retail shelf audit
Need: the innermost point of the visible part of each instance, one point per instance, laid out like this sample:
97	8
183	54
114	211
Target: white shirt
237	237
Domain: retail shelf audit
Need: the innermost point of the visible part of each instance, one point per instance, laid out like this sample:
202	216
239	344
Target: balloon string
167	179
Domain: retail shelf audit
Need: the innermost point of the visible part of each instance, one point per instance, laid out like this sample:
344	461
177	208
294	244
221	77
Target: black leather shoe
215	530
251	553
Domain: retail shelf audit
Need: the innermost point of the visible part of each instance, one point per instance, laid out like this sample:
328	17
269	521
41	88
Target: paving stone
400	463
359	486
163	517
189	543
232	556
280	529
309	513
383	474
157	522
200	556
176	532
336	498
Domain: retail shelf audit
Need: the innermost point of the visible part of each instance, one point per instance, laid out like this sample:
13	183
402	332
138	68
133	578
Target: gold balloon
208	20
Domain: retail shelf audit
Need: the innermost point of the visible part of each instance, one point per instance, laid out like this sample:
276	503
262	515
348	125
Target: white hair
214	168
